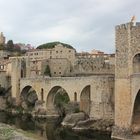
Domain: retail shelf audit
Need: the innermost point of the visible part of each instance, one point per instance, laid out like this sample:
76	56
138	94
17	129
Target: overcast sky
85	24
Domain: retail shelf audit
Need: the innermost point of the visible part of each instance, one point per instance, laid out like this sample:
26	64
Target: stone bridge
93	93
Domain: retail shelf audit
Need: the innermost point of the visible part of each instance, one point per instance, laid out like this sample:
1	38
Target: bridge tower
127	41
20	68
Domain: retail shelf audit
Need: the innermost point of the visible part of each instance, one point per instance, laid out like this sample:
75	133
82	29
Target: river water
49	129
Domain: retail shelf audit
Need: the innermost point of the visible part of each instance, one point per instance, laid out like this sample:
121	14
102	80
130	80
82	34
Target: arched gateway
136	111
85	100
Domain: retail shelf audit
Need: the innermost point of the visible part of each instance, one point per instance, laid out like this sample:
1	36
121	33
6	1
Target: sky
84	24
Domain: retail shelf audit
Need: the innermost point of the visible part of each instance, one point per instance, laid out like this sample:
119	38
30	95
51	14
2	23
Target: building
2	39
57	56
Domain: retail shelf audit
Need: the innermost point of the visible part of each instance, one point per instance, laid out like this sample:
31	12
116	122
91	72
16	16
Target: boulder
97	125
71	119
86	124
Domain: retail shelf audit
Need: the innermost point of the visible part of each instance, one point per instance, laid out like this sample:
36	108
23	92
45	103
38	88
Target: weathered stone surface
3	103
71	119
97	125
121	133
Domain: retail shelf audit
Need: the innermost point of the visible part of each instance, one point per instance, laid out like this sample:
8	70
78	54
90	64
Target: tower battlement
128	25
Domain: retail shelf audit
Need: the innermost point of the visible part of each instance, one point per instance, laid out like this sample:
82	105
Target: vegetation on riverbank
8	132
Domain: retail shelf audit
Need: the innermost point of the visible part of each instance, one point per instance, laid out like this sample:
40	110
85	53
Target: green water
49	129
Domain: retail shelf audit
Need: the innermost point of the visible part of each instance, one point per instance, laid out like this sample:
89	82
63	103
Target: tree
47	71
51	45
10	45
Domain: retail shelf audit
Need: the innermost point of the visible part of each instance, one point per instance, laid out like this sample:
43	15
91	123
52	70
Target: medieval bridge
88	91
96	93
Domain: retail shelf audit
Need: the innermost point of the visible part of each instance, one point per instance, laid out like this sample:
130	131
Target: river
48	129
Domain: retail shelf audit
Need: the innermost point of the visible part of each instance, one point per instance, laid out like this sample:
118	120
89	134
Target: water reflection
48	129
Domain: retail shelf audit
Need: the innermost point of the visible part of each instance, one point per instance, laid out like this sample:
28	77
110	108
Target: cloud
84	24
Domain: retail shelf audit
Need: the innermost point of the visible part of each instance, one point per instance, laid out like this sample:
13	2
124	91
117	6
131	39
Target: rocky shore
80	121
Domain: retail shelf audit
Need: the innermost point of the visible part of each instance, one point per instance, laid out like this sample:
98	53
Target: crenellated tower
127	43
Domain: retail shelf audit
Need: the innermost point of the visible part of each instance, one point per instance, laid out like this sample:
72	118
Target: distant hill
51	45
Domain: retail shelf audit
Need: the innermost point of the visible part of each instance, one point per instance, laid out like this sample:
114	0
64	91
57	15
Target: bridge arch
29	96
85	99
52	94
136	110
136	63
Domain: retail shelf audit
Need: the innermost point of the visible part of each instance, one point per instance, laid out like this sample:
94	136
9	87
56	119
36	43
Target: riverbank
11	133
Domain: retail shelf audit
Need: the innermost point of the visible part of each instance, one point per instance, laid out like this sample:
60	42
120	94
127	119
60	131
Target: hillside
51	45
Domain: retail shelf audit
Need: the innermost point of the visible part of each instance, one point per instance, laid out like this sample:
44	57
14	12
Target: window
69	50
42	94
54	72
59	72
56	51
75	96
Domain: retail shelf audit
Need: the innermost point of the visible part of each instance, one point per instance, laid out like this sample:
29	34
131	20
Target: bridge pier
120	133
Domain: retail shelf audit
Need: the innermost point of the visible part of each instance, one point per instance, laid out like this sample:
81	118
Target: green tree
10	45
51	45
47	71
61	98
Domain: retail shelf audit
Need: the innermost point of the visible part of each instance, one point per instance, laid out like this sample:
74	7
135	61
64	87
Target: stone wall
89	66
5	80
58	67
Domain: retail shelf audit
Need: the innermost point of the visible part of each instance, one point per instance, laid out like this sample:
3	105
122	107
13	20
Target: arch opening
136	114
85	100
28	98
136	63
75	96
58	99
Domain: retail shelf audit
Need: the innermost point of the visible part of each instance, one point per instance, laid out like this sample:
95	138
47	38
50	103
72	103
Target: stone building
4	54
2	39
60	54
